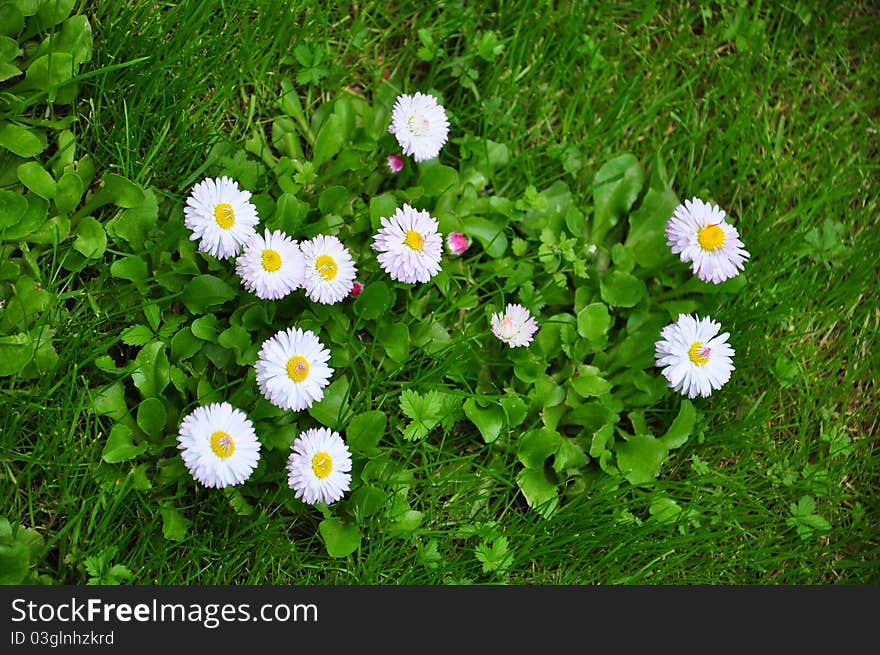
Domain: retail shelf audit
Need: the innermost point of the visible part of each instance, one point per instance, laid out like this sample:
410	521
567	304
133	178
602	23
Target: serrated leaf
136	335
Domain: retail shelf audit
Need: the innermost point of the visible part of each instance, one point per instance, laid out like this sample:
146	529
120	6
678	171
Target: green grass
776	121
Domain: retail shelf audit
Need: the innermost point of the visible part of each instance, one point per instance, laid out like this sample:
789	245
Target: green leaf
37	179
50	71
365	431
374	301
616	186
488	420
134	225
14	562
395	340
569	456
11	19
665	510
75	37
406	522
329	140
341	539
490	234
593	321
540	493
122	192
333	200
31	221
381	206
536	446
136	335
785	370
646	239
120	446
587	382
12	208
496	558
153	371
68	192
132	268
620	289
205	327
205	291
681	427
16	352
330	411
425	411
639	459
20	140
367	501
151	416
91	240
435	179
174	524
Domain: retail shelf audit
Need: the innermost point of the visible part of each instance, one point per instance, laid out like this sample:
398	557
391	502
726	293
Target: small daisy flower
292	369
420	125
457	243
330	269
409	245
318	466
221	216
356	288
515	326
271	266
698	233
395	163
694	357
219	445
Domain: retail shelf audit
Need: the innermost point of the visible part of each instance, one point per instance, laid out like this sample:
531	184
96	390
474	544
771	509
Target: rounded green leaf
330	411
11	19
16	351
490	234
365	431
205	291
435	179
621	289
151	416
121	191
536	446
37	179
14	557
374	301
49	71
120	445
639	459
91	240
69	192
488	420
20	140
593	321
329	140
132	268
540	493
341	539
12	208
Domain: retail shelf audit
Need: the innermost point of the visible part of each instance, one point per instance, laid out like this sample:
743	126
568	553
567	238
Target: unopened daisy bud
420	125
457	243
395	163
409	245
698	233
694	358
219	445
220	216
356	289
515	326
319	466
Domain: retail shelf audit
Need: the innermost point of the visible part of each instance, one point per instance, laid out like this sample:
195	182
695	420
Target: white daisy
221	216
410	246
292	369
515	326
330	269
694	359
220	447
319	466
420	125
698	232
271	266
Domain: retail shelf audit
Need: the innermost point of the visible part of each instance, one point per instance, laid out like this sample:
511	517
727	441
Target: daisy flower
221	216
515	326
318	466
220	447
330	269
420	125
410	246
292	369
395	163
698	234
457	243
271	266
694	357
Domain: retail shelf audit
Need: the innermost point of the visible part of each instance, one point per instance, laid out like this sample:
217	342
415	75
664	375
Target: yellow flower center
222	444
224	215
322	464
297	368
414	240
271	260
710	237
326	266
699	354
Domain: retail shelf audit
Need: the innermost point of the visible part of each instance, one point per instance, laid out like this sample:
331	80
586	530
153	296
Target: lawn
574	130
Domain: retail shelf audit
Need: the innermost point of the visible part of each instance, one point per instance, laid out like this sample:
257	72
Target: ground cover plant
559	455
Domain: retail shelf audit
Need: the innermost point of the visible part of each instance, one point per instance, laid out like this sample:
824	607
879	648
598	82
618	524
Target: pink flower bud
395	163
356	289
457	243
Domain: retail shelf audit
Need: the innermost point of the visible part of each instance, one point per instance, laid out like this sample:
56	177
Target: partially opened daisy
220	216
395	163
292	369
514	326
271	266
330	269
698	233
693	356
409	245
220	447
318	466
420	125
